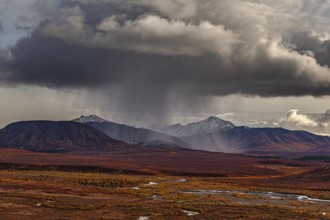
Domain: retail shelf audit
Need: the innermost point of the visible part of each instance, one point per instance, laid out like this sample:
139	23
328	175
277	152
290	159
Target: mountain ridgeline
217	135
92	133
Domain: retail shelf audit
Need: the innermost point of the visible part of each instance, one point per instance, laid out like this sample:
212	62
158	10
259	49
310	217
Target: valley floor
31	194
157	184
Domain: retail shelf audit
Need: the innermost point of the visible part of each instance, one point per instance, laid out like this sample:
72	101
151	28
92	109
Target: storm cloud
149	49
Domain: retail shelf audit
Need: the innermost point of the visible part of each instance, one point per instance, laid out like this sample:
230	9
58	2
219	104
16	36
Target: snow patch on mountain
91	118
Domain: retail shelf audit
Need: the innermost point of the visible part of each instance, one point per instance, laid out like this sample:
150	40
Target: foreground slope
321	174
146	161
53	136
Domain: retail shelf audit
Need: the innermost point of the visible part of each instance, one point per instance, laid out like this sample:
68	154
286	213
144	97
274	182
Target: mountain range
92	133
214	134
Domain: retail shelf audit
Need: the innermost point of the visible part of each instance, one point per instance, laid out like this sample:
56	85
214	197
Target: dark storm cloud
314	45
51	62
203	48
25	23
54	63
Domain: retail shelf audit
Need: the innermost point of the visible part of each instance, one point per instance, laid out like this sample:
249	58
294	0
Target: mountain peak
212	123
89	118
214	119
216	122
200	127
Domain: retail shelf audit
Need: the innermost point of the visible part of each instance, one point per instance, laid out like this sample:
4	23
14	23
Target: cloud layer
151	49
216	47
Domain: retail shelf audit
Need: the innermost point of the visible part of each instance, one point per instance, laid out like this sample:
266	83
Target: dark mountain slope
55	136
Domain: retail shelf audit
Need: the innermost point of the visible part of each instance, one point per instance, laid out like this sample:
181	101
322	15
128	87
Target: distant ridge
132	135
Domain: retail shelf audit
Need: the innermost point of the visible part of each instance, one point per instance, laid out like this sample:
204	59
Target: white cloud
256	123
294	119
316	123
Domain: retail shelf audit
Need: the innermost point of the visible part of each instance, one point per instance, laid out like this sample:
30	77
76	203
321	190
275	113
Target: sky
254	62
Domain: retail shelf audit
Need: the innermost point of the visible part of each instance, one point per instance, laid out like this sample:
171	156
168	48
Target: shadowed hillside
61	136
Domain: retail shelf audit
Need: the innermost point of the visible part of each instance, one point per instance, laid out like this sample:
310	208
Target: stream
271	195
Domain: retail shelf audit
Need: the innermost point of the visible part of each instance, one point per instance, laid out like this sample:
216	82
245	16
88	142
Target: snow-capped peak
90	118
214	122
201	127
